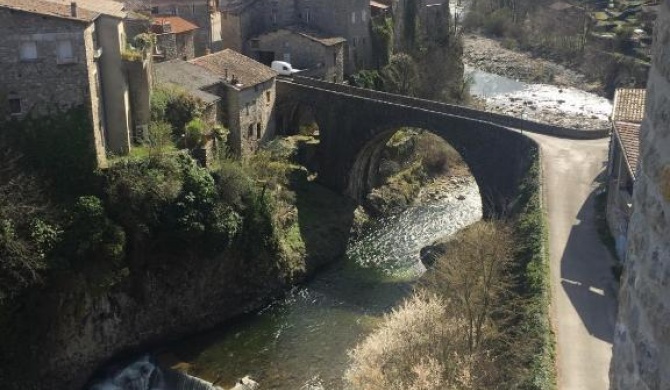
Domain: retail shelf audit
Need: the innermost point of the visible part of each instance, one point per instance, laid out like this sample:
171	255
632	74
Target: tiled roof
188	76
629	105
231	63
177	24
628	136
314	35
49	8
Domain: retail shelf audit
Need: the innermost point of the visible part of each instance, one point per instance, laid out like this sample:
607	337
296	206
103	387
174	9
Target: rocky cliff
642	339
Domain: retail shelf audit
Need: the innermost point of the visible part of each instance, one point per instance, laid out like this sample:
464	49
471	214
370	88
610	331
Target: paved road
583	288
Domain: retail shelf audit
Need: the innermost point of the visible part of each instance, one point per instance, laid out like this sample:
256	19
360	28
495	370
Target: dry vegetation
479	319
448	334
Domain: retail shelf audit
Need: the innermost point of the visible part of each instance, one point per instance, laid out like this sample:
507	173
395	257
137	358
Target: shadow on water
586	275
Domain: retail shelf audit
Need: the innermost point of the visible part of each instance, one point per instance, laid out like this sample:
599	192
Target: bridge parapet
452	109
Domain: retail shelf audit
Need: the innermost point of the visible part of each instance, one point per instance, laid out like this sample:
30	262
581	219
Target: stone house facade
321	56
239	93
623	162
174	38
202	13
248	94
242	20
58	55
641	352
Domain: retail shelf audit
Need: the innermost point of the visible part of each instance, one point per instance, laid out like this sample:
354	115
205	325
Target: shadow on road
586	275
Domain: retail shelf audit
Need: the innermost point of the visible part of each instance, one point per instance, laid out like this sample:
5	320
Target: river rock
246	383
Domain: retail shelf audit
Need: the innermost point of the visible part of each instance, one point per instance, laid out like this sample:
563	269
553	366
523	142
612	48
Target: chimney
73	9
167	28
225	74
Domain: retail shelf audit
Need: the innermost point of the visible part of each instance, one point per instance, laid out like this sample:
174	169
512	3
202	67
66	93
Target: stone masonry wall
46	83
43	83
321	61
642	339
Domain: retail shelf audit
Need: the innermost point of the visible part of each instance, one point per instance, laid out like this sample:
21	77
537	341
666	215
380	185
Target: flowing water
305	337
302	340
561	106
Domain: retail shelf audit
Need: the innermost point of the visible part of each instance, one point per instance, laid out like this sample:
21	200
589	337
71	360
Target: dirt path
584	290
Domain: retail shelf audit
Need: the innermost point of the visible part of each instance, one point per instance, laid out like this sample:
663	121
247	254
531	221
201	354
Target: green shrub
534	282
91	241
159	138
58	146
195	133
172	104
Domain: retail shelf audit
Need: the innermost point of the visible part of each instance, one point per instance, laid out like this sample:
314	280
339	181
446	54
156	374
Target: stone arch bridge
355	124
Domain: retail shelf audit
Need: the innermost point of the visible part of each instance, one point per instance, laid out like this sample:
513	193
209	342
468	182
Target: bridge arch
365	167
353	130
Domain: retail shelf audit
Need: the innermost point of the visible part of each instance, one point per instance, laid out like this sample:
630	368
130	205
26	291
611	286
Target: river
303	339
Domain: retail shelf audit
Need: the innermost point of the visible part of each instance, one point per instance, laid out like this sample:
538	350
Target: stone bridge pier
354	129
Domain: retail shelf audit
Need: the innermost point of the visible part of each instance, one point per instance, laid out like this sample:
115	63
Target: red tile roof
178	24
629	105
628	136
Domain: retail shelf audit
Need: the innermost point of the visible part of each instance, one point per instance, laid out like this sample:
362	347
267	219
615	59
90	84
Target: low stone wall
451	109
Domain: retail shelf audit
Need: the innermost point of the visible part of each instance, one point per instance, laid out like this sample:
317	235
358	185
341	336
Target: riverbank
514	83
491	56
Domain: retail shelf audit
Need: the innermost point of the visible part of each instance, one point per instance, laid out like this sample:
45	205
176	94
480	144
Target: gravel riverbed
517	84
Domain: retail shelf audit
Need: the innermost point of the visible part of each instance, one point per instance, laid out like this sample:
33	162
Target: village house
242	20
248	97
238	92
204	14
57	54
627	116
174	38
320	56
197	82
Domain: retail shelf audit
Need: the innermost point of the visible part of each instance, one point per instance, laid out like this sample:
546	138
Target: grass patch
534	326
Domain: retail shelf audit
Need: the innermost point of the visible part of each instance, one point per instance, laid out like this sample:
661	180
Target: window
274	16
154	10
308	16
364	15
65	54
247	106
28	51
354	41
353	17
258	131
268	97
14	104
334	58
250	131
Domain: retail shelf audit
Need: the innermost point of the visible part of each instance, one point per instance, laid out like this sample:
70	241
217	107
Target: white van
284	68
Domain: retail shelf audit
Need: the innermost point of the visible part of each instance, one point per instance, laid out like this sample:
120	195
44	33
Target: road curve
584	292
